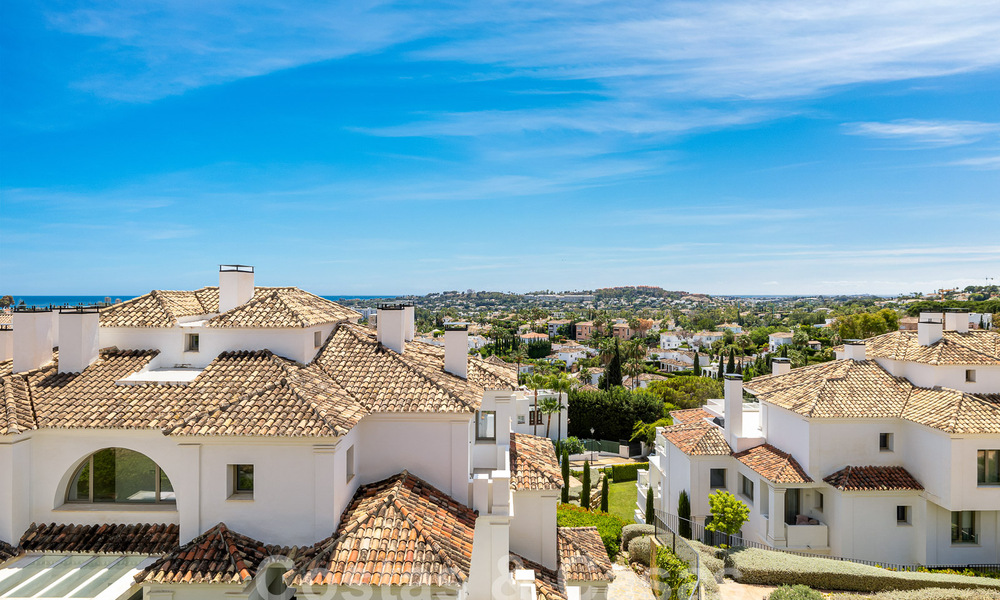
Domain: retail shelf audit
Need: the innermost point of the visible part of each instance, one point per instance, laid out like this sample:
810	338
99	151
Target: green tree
6	301
613	373
686	391
549	406
649	506
561	384
604	493
731	365
728	513
697	364
684	512
536	381
565	474
585	493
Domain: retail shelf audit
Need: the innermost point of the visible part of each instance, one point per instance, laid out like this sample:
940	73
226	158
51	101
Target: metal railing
695	531
671	538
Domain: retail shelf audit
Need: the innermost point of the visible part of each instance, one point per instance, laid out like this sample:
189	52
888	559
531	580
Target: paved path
628	586
741	591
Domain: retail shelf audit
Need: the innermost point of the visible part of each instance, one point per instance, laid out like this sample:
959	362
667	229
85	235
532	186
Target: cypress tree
684	512
613	374
649	506
731	365
604	493
565	474
697	366
585	493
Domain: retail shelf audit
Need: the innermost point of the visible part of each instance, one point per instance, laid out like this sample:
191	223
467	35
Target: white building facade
890	453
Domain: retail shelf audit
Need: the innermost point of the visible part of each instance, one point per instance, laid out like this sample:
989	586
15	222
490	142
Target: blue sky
368	147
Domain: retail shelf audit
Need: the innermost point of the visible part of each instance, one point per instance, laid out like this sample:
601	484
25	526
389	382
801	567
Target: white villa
890	453
778	339
248	442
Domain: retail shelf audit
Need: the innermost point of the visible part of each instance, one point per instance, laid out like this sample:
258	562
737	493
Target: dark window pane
981	466
244	478
104	475
135	477
79	491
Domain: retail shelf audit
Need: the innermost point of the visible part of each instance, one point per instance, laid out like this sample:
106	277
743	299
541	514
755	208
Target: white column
325	476
190	497
776	523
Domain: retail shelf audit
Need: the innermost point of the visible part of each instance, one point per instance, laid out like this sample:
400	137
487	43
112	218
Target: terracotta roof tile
217	556
954	411
690	415
150	539
7	551
533	463
976	347
582	556
773	464
548	584
872	479
399	531
270	307
698	438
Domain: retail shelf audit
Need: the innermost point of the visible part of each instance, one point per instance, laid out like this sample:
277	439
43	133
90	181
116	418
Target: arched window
118	475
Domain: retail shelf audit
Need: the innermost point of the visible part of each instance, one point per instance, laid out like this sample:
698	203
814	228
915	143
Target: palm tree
519	355
536	381
561	384
635	354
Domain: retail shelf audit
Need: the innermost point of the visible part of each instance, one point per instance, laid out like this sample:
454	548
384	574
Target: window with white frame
988	467
119	476
241	482
885	442
970	376
486	425
191	342
717	478
963	527
746	487
350	463
902	515
318	339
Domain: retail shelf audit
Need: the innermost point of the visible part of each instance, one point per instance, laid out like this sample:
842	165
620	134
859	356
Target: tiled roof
873	479
582	556
836	389
864	390
270	307
773	464
689	415
250	393
217	556
698	438
150	539
533	463
7	551
977	347
548	584
781	334
954	411
399	531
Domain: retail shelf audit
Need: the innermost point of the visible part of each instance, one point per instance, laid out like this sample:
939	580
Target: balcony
807	536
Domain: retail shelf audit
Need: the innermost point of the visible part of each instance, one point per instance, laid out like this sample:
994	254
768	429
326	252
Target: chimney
780	366
235	286
32	338
854	349
391	326
733	408
6	343
78	338
456	350
956	320
409	321
929	328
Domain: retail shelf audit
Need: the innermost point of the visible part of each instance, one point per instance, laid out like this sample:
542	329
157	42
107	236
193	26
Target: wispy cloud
925	133
980	162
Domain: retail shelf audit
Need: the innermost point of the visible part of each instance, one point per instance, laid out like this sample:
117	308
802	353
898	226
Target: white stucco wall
949	376
533	526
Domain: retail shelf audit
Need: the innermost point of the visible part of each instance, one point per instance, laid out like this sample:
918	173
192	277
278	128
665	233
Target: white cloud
925	133
980	162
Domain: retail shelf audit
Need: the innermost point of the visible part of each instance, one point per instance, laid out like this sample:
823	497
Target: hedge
925	594
795	592
627	471
608	526
640	549
766	567
634	530
611	414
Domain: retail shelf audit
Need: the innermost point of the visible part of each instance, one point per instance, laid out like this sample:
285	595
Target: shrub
604	494
925	594
728	513
627	471
795	592
634	530
565	476
585	494
671	573
765	567
639	549
573	445
684	512
611	413
608	526
650	512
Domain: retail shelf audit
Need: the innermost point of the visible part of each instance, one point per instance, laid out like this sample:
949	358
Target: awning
97	576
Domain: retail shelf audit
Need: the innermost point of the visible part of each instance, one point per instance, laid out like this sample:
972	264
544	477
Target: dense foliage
610	413
627	472
565	475
728	513
646	432
684	512
608	526
686	392
865	324
795	592
585	494
672	574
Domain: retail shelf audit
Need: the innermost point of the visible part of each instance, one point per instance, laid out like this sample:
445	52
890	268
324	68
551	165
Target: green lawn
621	500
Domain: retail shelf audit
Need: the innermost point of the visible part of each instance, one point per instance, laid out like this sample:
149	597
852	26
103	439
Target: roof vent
33	337
930	328
456	350
854	349
391	326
